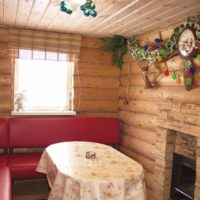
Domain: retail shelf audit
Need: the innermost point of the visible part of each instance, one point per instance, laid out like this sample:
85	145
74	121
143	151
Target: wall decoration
188	75
163	50
144	66
184	40
118	45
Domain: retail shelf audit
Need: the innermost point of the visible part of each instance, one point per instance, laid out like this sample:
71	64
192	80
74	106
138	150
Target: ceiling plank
159	21
49	15
38	10
139	16
139	8
24	10
104	11
174	18
134	5
10	11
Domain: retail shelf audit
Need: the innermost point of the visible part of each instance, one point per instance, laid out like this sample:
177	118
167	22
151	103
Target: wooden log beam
96	106
139	133
148	107
95	56
5	66
175	94
148	177
4	53
97	70
147	163
136	119
97	94
139	146
98	114
91	42
96	82
5	80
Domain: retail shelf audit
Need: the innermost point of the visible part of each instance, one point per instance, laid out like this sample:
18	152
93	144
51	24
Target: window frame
69	86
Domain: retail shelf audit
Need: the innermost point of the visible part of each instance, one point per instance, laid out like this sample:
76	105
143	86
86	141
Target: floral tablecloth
111	176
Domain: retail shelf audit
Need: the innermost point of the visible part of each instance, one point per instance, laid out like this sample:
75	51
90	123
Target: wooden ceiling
123	17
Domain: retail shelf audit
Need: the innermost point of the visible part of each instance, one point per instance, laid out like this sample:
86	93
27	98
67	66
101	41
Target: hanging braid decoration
161	50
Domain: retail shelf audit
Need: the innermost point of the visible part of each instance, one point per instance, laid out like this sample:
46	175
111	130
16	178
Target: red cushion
5	184
3	132
23	165
3	160
41	132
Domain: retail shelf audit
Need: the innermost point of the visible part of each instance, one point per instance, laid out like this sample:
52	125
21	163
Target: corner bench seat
3	160
5	184
23	165
41	132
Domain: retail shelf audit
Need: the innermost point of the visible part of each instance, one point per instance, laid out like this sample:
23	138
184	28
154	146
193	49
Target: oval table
110	176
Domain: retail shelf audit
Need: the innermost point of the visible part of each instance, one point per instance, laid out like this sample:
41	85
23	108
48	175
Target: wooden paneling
124	17
97	84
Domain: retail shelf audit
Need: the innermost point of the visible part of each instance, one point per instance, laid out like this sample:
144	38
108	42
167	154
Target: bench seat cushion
23	165
3	132
41	132
3	160
5	184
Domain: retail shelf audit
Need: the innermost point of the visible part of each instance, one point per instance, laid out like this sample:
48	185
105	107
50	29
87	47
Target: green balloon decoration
65	8
163	48
89	8
174	77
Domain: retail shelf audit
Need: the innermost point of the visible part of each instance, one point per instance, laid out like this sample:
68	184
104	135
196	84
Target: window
43	82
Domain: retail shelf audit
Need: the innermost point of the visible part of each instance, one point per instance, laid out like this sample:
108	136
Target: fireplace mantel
180	117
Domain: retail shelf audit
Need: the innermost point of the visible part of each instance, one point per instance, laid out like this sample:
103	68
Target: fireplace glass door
183	178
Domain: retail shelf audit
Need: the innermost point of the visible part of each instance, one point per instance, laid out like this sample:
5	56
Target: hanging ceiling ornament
88	8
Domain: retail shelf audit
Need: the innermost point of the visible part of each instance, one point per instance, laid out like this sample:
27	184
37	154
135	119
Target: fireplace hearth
183	178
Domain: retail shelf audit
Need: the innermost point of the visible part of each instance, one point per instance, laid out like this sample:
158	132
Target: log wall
97	92
139	118
6	75
95	88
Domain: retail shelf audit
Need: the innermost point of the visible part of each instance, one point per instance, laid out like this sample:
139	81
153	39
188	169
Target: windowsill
41	113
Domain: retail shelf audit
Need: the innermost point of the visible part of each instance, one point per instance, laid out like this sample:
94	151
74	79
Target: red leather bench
41	132
5	184
5	177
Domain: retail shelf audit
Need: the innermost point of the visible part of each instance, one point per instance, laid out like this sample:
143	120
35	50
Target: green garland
162	48
120	45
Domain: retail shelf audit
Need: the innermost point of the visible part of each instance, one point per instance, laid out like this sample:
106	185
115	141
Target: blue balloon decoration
145	47
192	70
157	40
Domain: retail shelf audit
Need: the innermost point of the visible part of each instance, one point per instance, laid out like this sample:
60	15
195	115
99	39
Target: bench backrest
41	132
3	133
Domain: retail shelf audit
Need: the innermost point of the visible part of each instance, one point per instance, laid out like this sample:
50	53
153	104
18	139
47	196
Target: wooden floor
30	190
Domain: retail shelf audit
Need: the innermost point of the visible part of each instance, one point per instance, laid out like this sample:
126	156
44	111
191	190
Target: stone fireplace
178	133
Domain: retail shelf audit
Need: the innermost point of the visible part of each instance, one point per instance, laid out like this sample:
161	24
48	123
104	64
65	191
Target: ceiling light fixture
88	8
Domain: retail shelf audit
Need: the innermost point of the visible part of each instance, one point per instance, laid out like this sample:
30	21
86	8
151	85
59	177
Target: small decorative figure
188	75
19	101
